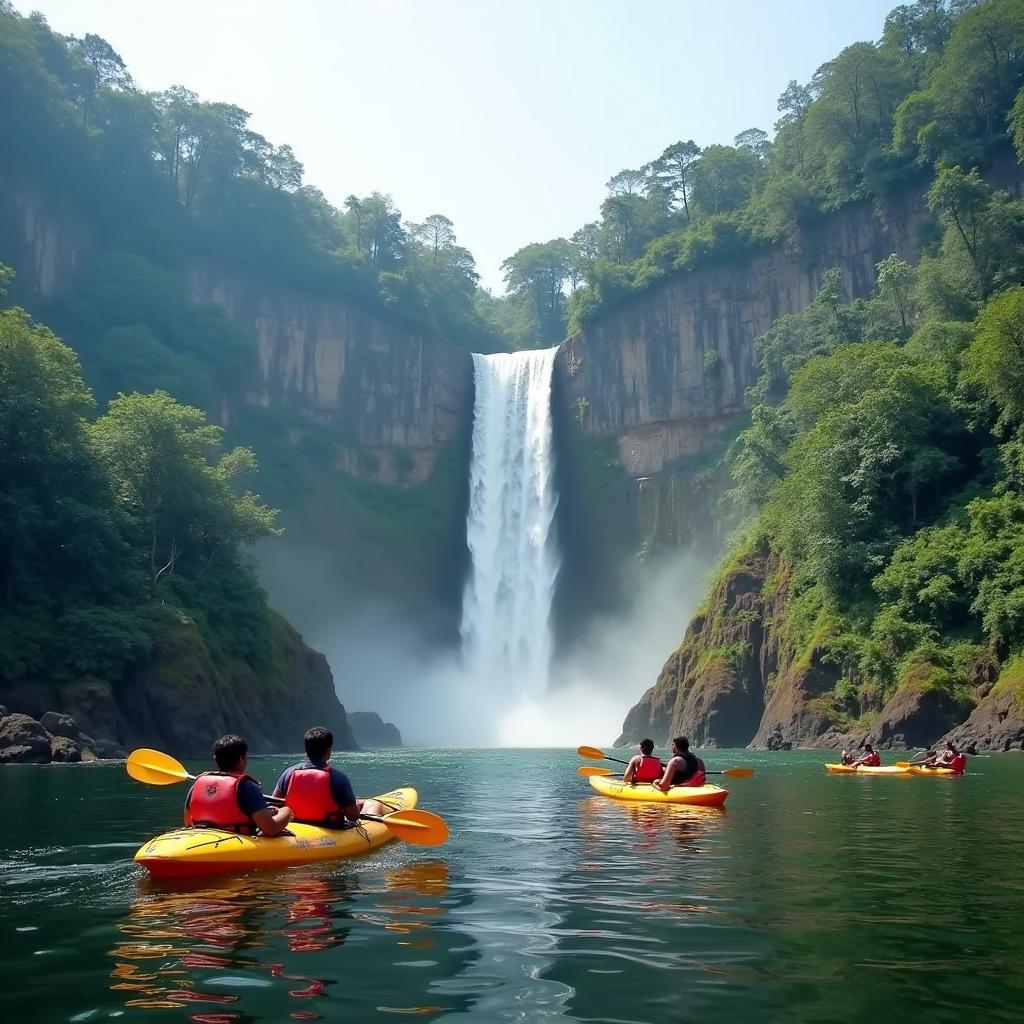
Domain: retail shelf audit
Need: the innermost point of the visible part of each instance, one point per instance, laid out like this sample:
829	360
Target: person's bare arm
631	770
272	821
666	780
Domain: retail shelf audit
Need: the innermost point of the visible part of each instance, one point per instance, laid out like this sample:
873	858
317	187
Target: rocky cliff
184	697
741	678
380	387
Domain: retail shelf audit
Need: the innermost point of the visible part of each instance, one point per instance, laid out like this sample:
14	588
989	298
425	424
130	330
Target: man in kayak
870	758
644	767
230	799
318	793
950	757
684	768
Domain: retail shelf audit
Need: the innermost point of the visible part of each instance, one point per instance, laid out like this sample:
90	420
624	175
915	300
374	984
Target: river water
809	898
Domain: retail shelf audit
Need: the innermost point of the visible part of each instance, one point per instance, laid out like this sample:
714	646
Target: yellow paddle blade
419	827
593	769
904	764
155	768
736	773
591	752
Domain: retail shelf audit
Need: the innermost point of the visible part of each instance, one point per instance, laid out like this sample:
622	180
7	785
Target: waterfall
506	611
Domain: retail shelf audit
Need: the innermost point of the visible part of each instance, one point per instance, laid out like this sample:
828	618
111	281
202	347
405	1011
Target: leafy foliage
107	526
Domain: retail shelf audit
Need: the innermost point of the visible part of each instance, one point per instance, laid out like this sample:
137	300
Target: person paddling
870	758
318	793
950	757
230	799
684	768
644	767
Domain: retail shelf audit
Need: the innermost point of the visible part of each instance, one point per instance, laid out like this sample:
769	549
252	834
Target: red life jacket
309	796
959	763
697	779
650	769
213	800
874	760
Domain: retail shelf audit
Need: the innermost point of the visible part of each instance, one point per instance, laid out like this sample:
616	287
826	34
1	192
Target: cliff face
379	386
738	680
667	371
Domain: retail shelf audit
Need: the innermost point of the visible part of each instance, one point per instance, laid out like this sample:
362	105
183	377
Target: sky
508	116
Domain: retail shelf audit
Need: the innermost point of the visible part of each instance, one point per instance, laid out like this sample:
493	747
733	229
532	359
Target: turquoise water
809	898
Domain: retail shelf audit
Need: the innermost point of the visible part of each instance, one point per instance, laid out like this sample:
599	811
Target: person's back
230	799
684	769
644	767
316	792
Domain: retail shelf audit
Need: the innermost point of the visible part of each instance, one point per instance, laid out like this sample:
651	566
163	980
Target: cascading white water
506	612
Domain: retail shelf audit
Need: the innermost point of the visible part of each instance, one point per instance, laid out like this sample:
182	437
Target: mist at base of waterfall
434	699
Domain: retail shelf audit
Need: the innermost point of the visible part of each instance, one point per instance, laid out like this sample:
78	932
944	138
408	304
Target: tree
437	233
537	274
894	282
673	171
995	358
724	179
756	141
102	68
163	460
794	103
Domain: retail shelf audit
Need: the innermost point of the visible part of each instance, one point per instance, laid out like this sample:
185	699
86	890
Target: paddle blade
904	764
155	768
593	769
591	752
738	773
418	827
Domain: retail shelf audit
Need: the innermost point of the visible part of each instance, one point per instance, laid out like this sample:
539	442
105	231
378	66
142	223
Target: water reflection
236	941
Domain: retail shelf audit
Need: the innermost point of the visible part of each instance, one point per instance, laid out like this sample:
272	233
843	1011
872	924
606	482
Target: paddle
596	754
914	764
422	828
732	773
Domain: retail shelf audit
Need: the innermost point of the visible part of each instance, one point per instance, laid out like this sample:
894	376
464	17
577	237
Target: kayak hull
863	769
644	792
193	852
934	771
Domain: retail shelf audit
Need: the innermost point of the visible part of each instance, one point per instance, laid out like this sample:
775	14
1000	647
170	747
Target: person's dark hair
682	743
318	742
228	751
867	746
647	747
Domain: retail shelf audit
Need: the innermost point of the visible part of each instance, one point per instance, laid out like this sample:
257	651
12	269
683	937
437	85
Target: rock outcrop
371	731
23	740
997	723
737	680
182	699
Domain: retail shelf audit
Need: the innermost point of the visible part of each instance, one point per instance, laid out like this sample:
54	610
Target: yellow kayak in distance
863	769
694	796
918	770
192	852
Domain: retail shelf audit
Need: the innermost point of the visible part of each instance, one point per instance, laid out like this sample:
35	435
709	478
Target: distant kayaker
318	793
684	768
870	758
949	757
230	799
644	767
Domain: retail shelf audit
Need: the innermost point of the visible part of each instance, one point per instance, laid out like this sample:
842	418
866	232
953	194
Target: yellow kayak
188	852
916	770
863	769
695	796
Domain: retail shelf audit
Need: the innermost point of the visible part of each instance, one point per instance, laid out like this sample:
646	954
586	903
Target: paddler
949	757
320	794
684	768
230	799
644	767
870	758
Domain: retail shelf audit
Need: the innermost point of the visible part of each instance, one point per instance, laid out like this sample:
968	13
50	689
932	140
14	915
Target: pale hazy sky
508	117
